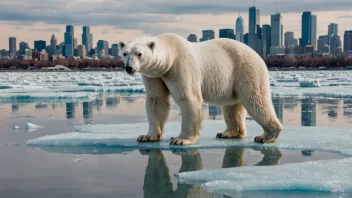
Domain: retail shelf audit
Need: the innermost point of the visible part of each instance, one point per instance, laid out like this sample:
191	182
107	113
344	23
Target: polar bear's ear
121	45
151	45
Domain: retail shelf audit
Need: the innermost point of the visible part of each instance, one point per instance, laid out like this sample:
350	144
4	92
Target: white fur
220	71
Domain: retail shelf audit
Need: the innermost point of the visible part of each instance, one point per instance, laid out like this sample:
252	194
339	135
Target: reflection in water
87	111
214	111
15	107
98	103
308	112
41	106
112	101
70	110
278	103
157	180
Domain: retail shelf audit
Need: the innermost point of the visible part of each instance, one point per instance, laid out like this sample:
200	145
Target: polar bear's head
138	56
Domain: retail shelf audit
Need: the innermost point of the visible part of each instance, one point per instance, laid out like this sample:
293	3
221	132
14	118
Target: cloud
47	30
149	16
345	16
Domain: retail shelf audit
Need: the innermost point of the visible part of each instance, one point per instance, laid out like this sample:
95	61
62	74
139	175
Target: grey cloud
345	16
47	30
142	14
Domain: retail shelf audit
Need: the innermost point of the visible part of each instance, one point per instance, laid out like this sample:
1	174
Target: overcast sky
116	20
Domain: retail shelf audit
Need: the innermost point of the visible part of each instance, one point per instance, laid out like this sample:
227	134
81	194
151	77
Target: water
114	172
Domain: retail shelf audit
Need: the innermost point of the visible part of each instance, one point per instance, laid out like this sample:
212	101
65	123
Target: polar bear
221	72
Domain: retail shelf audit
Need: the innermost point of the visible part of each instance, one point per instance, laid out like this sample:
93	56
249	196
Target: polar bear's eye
124	54
139	54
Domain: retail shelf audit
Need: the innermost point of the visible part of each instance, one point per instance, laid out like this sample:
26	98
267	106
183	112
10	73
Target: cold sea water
35	105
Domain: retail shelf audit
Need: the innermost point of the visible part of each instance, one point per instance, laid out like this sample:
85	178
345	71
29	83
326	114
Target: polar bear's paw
266	138
182	141
147	138
229	134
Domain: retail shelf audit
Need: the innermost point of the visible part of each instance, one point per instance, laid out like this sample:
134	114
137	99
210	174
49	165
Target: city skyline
183	23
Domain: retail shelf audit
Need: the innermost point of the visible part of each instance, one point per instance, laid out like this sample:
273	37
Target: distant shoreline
121	70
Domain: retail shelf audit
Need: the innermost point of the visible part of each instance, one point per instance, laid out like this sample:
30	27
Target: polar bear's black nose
129	69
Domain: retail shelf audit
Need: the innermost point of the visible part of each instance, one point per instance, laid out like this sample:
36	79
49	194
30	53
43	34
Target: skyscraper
309	29
254	21
87	38
239	29
23	46
192	38
12	46
313	40
335	42
333	29
276	21
75	43
306	28
39	45
266	36
347	45
53	43
227	33
69	34
81	51
207	35
115	50
322	41
103	45
289	36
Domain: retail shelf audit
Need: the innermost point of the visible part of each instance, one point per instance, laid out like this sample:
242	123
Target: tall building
192	38
313	40
259	43
81	51
207	35
102	45
23	47
335	42
276	31
69	35
309	29
53	44
239	29
289	36
245	38
227	33
115	50
12	46
347	45
333	29
39	45
87	38
266	36
75	43
254	21
322	41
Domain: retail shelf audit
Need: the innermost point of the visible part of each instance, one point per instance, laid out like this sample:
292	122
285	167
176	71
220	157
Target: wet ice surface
110	106
124	136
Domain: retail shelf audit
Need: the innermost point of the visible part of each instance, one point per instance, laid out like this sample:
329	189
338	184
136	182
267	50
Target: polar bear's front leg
157	106
191	112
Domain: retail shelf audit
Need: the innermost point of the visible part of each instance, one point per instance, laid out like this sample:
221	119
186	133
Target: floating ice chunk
16	127
32	127
77	160
125	135
309	83
324	176
5	87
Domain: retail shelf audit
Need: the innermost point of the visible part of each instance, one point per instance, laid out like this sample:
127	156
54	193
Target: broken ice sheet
335	140
333	176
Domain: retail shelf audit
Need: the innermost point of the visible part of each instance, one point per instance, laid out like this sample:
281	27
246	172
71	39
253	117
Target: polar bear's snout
129	69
